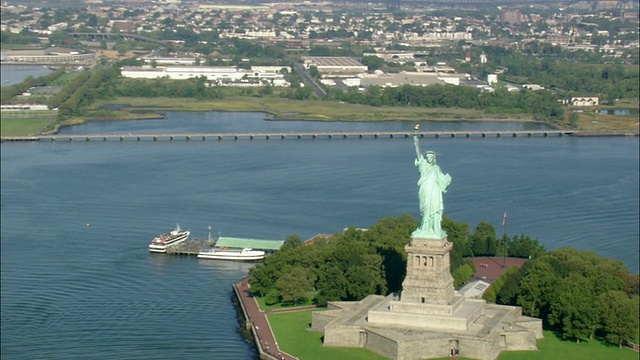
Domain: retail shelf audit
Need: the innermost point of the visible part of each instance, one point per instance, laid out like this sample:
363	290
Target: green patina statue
431	185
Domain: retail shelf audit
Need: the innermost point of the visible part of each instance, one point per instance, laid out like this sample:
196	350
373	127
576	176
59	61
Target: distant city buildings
511	17
302	25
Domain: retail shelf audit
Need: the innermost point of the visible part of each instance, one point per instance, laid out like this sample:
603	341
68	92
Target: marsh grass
285	109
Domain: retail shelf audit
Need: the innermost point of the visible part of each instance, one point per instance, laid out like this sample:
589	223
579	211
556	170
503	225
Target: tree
45	21
291	242
331	285
619	316
122	48
631	284
373	62
389	236
509	286
263	278
91	21
313	71
365	279
168	22
302	93
461	275
458	233
573	308
524	247
538	283
292	287
484	239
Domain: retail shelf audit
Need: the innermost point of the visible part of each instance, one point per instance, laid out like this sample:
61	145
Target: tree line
357	263
576	293
543	105
82	90
191	88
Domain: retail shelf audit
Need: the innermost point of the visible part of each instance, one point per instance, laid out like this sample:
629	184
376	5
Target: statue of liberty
431	185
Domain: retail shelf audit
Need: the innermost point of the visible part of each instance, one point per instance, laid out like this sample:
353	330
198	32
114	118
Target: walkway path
258	319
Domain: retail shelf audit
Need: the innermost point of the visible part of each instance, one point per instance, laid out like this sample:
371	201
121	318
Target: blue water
14	74
220	122
75	291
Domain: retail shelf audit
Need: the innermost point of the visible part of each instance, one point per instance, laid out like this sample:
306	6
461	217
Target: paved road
308	81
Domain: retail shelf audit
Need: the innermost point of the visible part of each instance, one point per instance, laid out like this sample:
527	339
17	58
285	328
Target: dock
190	247
193	246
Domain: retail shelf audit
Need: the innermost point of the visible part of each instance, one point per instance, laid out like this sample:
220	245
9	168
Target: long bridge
125	36
293	135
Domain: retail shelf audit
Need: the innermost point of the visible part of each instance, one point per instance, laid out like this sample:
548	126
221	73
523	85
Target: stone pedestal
428	279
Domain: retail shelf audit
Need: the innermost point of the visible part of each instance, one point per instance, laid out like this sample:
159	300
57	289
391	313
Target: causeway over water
308	135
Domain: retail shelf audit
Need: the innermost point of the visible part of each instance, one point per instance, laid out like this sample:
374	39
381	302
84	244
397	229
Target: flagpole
504	240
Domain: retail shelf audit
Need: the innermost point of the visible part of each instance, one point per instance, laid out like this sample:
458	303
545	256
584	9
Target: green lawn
277	306
291	330
35	123
551	347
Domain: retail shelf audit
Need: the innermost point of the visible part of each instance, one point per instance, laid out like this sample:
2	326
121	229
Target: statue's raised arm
416	143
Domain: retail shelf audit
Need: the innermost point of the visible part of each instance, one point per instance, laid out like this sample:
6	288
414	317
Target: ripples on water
75	292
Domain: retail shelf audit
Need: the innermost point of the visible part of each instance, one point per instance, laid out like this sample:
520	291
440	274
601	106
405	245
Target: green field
291	330
14	125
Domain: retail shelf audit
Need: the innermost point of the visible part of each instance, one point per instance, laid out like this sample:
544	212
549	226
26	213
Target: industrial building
221	75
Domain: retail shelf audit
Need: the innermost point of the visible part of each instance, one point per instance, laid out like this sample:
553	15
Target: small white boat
246	254
174	237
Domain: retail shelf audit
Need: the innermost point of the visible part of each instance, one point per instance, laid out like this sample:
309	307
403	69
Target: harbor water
78	281
14	74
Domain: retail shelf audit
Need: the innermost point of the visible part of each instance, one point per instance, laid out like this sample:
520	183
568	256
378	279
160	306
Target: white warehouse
217	74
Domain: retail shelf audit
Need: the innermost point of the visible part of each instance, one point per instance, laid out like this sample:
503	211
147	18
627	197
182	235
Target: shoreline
276	109
155	115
